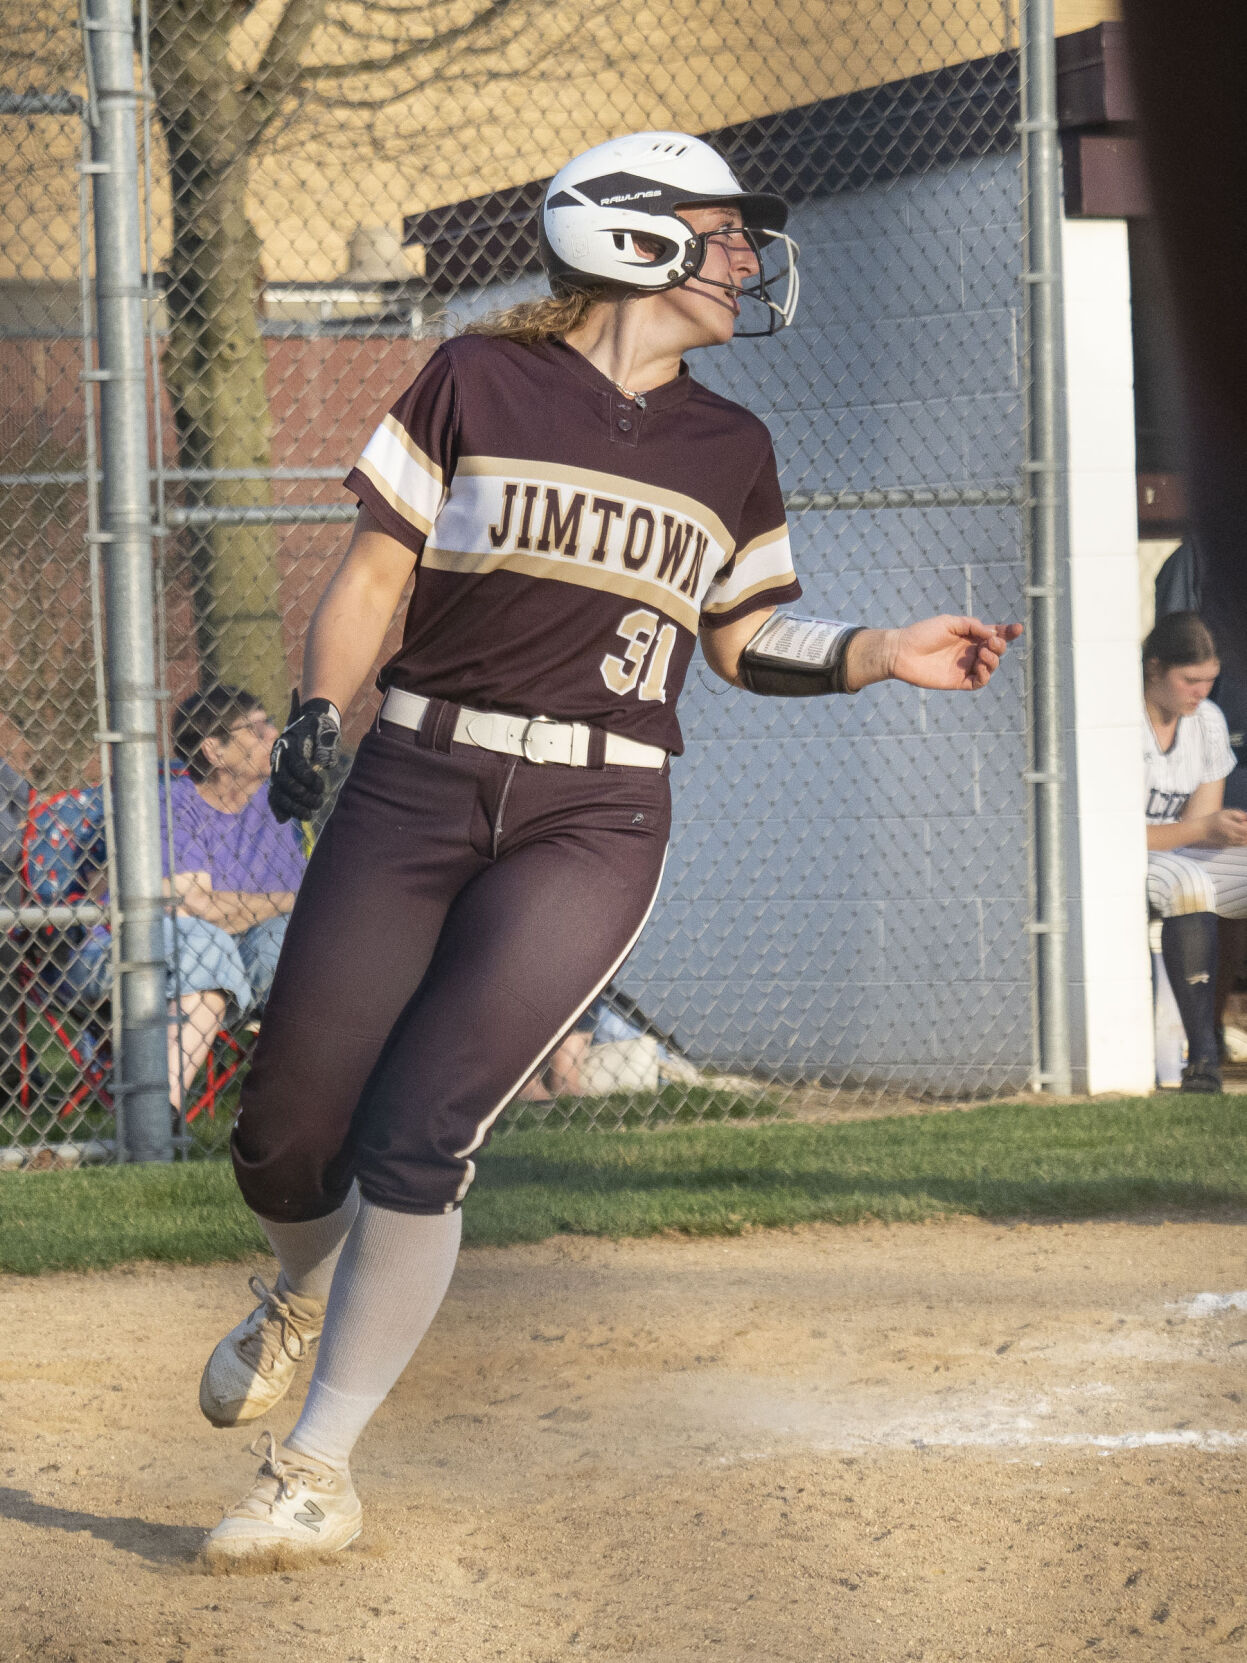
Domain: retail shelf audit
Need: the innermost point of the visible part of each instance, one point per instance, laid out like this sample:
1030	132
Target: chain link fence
56	1047
328	190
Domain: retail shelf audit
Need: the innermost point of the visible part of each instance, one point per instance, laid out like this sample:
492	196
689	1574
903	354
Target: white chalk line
1212	1304
1208	1441
995	1420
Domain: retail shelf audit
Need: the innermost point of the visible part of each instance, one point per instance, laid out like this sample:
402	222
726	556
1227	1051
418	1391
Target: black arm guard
794	657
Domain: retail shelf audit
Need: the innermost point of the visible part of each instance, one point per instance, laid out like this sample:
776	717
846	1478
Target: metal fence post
1048	526
126	535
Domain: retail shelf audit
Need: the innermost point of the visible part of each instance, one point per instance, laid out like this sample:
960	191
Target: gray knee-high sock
309	1251
392	1277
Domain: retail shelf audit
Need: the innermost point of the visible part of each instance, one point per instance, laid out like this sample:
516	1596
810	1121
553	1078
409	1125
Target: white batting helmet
634	186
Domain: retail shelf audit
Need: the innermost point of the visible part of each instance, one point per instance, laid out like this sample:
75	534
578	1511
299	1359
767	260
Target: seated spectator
559	1074
1179	587
234	876
14	795
235	870
1197	848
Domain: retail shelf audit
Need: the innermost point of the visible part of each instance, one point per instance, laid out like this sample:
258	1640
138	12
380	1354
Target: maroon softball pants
460	910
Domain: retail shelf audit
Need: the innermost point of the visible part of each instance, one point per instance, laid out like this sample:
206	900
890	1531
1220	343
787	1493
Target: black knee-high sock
1188	945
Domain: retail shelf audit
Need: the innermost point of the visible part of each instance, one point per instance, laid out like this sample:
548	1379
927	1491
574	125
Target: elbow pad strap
793	657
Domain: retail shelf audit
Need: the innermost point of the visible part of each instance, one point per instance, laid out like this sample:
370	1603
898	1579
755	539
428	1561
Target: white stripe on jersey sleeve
766	563
410	481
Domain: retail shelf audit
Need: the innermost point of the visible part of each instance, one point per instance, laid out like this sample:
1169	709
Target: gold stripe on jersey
410	481
603	484
768	538
674	606
570	526
766	585
766	563
390	424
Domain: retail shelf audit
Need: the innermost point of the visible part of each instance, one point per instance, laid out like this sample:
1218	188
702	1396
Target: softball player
578	510
1197	848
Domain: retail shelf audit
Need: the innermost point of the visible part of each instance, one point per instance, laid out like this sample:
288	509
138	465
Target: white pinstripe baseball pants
1197	880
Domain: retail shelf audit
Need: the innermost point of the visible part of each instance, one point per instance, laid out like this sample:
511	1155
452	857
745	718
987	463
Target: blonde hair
537	320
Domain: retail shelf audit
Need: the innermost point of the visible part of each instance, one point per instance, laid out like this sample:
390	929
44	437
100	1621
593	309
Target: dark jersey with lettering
569	543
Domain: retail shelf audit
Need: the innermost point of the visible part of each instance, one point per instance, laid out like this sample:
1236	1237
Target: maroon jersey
569	542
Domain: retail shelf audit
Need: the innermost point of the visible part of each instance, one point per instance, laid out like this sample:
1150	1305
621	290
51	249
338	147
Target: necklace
637	398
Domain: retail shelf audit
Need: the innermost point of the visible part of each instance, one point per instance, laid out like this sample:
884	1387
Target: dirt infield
955	1441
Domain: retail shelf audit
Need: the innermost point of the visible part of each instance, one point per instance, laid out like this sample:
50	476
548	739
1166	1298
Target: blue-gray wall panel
885	835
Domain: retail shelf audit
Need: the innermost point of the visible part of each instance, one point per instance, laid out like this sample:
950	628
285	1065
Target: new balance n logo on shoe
311	1516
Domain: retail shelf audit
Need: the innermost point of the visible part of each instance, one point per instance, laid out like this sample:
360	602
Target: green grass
673	1105
209	1134
1167	1154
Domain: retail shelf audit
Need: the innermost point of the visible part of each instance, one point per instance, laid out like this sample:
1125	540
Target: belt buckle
532	722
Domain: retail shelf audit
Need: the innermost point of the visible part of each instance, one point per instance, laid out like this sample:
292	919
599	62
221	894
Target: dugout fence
863	896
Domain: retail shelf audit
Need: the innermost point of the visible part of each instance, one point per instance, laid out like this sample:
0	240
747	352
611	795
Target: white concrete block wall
1110	967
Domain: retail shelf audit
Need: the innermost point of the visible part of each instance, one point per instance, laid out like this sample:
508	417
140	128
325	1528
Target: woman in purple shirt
234	875
235	871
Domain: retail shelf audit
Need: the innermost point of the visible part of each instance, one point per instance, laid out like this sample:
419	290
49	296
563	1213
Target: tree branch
475	80
279	71
389	8
490	13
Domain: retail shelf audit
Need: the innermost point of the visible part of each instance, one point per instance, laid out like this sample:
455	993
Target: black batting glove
305	749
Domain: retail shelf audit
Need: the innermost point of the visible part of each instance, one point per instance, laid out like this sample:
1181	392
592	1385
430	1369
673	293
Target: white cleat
298	1510
253	1366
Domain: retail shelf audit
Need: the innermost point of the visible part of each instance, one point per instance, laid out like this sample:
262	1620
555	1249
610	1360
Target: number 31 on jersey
640	630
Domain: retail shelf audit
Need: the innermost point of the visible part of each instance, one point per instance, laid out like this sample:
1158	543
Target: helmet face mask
635	187
776	251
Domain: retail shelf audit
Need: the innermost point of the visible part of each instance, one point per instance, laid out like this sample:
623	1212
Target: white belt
535	738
